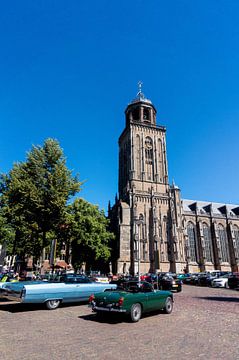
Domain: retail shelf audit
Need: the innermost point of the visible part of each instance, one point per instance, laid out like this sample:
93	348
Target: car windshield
136	287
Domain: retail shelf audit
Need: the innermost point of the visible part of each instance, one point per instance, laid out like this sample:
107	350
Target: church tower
147	232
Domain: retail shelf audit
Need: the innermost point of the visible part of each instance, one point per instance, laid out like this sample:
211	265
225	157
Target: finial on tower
139	93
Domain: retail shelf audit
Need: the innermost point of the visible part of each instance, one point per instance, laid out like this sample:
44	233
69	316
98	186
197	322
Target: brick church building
157	230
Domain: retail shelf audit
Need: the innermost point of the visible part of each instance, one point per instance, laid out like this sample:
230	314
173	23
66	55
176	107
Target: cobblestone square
203	325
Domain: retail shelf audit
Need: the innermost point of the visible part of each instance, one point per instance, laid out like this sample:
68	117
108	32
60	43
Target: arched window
236	234
208	243
160	160
135	114
146	114
192	241
223	243
138	157
149	158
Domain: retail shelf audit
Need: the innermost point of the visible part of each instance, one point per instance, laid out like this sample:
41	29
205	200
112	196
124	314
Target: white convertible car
72	289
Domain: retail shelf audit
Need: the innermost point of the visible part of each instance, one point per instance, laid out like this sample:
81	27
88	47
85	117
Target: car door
155	300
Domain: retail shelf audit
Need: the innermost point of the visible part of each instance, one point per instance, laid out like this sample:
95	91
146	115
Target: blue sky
68	69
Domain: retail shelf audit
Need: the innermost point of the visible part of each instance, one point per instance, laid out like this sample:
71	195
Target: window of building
146	114
149	158
208	243
138	157
236	234
223	243
192	241
135	114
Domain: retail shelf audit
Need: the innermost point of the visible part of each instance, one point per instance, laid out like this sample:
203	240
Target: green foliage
88	232
34	210
34	196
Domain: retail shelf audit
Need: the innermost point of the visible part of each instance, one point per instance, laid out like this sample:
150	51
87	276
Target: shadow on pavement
15	307
219	298
104	318
113	318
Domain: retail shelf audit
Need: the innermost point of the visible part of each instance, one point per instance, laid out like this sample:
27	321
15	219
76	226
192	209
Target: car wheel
168	308
179	289
136	312
52	304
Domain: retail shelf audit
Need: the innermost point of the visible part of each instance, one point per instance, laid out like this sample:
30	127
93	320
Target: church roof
204	207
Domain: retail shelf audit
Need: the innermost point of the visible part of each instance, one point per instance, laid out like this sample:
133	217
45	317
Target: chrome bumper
107	309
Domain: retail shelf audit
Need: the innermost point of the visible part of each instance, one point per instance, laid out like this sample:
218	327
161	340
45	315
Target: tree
87	231
34	196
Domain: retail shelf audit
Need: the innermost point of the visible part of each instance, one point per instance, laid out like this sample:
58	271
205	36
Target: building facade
155	229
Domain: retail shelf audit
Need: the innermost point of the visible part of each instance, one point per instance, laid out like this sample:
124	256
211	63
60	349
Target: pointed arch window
223	243
138	157
149	158
146	114
192	244
236	234
208	243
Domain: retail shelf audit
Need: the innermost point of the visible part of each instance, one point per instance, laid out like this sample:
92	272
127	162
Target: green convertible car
133	300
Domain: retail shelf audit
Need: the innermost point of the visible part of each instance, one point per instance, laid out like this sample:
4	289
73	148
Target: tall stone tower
145	218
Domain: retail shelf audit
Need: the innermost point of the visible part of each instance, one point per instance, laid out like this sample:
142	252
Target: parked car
135	299
169	281
73	289
191	279
221	281
100	278
233	281
206	278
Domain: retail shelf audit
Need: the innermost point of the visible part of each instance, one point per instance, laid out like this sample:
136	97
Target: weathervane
140	94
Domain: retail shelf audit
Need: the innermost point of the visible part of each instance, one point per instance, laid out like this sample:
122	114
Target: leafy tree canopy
34	194
89	233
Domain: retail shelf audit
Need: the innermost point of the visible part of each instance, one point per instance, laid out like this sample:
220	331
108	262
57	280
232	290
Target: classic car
52	294
6	278
135	299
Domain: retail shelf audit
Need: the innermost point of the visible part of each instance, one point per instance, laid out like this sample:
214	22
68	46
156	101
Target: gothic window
135	114
192	241
160	159
138	157
236	234
208	243
149	158
223	243
146	114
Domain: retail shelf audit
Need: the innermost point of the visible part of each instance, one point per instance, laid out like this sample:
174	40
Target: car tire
168	307
135	312
52	304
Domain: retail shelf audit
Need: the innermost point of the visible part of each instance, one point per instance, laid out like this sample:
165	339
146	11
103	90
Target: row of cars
133	298
214	278
161	281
